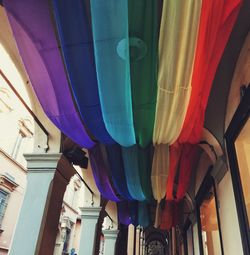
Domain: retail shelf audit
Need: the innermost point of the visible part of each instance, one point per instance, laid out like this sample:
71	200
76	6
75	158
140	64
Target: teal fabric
143	214
132	173
145	158
137	164
110	36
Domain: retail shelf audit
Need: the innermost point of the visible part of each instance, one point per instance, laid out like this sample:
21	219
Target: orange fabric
216	23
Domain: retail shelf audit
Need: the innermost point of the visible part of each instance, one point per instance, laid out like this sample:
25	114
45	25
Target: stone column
138	241
89	216
37	227
131	237
110	236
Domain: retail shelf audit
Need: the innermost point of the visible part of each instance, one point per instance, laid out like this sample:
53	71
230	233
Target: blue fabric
110	34
76	41
132	173
100	173
123	213
133	212
117	171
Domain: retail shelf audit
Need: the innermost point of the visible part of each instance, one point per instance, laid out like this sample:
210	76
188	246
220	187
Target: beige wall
227	210
196	239
228	217
15	199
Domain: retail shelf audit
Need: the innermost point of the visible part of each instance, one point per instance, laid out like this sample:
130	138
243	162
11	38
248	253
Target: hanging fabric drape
159	173
177	42
75	35
143	43
145	158
33	31
188	161
174	156
178	33
110	34
171	214
133	212
137	163
123	212
117	171
167	215
216	23
100	173
143	214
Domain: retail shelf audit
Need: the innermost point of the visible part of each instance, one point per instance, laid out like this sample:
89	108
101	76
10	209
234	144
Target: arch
212	146
40	140
152	235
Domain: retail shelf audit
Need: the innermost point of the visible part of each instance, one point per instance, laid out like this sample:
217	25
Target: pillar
138	241
37	227
89	216
130	248
110	236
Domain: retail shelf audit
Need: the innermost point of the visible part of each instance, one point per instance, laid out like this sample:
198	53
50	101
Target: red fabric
188	160
177	213
167	215
216	23
174	155
171	214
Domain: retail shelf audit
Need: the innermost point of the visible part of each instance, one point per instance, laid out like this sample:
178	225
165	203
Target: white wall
228	217
196	239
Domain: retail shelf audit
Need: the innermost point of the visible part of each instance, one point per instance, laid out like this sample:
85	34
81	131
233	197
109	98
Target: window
208	219
238	150
242	146
188	238
67	239
190	241
3	204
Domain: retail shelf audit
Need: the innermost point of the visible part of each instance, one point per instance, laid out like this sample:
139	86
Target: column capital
90	212
110	233
42	161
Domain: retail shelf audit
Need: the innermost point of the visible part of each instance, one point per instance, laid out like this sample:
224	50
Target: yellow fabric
177	43
158	215
159	172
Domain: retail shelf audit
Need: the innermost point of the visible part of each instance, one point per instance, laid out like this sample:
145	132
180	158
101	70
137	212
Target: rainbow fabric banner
128	80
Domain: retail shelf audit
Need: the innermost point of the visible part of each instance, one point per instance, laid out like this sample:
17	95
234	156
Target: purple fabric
100	172
33	31
124	213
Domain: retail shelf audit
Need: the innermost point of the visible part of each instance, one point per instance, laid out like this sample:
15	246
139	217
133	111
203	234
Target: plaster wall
228	216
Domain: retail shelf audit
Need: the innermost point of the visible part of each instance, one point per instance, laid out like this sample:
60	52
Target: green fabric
143	34
145	157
